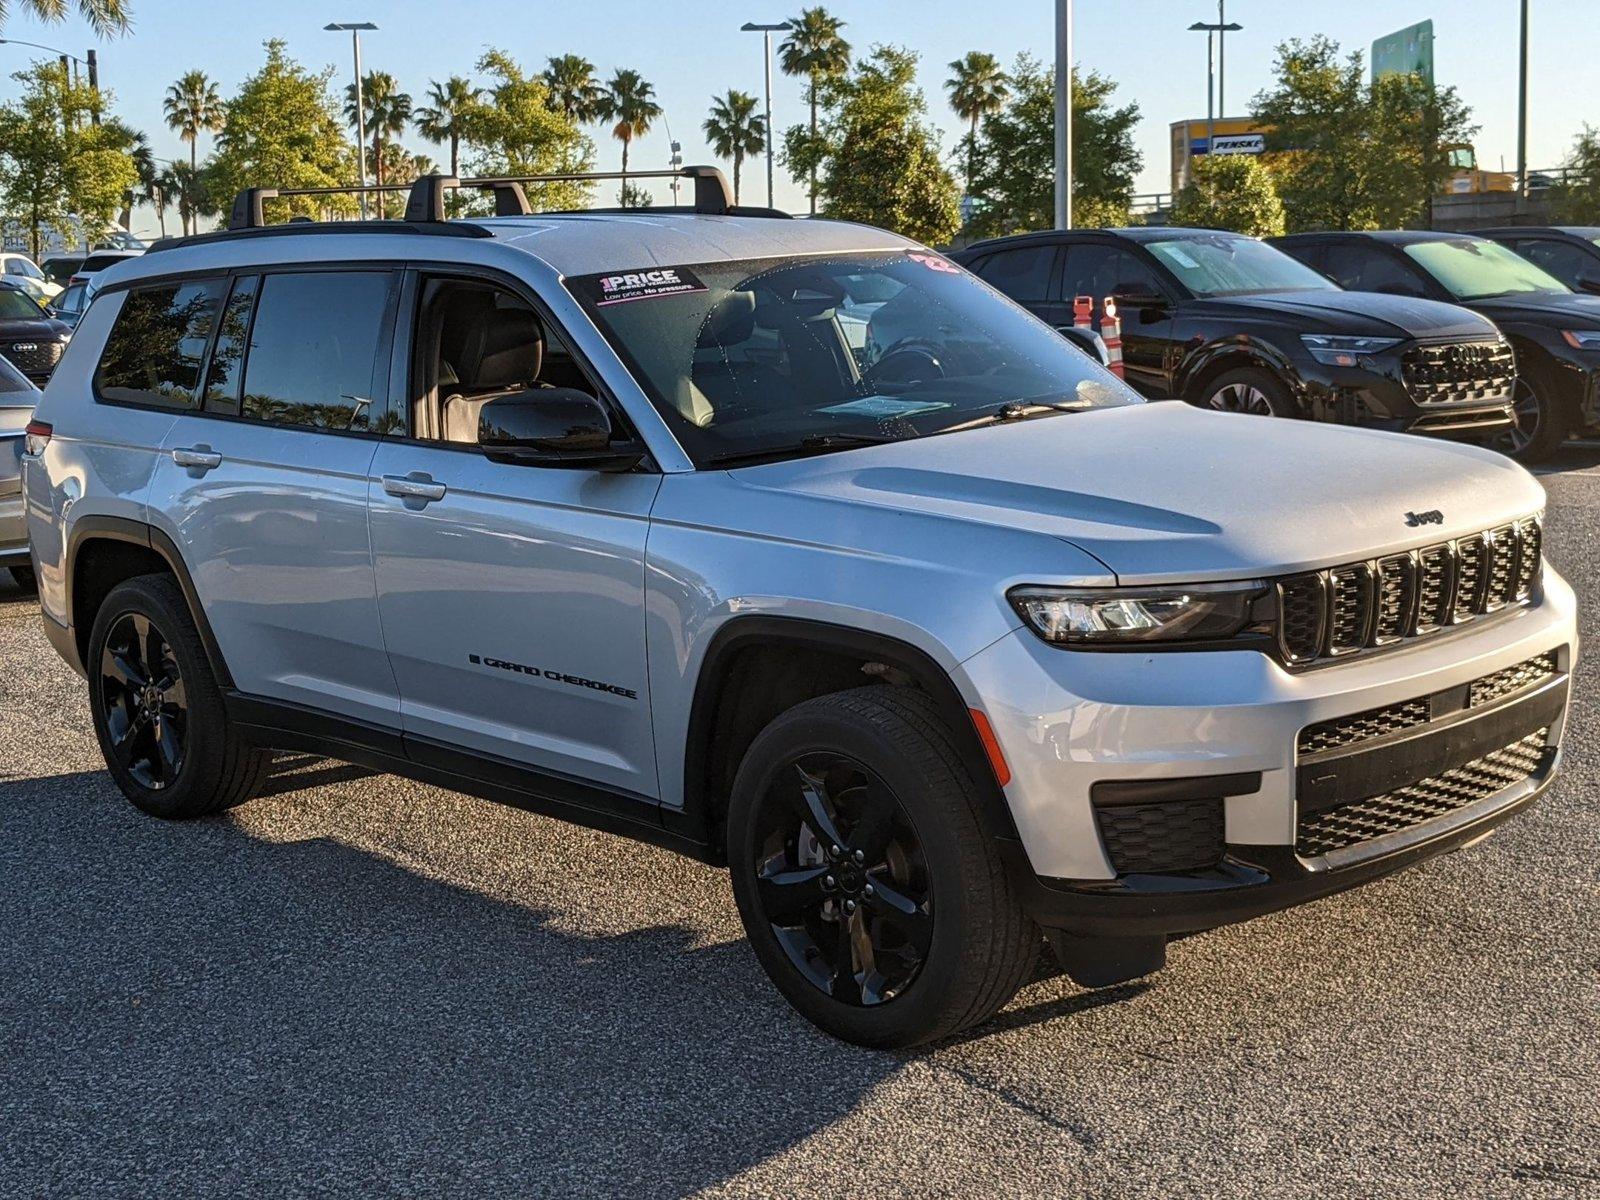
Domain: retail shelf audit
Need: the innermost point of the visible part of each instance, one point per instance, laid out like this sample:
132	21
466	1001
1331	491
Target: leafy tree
735	131
192	107
284	130
882	165
441	120
816	50
574	90
1014	186
978	88
195	191
1231	191
105	17
158	192
1353	155
629	102
388	112
514	130
1576	199
137	147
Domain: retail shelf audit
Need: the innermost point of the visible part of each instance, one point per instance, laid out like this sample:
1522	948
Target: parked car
1569	252
936	645
1555	333
98	261
59	268
18	397
1227	322
21	270
30	337
69	305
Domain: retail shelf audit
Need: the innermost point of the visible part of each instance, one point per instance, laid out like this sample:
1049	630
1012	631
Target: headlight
1338	350
1582	339
1117	616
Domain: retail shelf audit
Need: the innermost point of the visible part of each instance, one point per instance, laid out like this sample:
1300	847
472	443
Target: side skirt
280	725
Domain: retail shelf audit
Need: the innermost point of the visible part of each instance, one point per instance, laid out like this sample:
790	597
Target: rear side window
158	343
313	357
1023	274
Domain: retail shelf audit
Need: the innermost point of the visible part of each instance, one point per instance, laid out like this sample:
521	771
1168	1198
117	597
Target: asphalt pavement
360	986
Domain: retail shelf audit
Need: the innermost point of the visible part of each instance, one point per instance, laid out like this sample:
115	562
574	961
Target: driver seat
492	352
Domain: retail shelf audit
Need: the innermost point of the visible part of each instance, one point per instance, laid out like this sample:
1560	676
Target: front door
1100	269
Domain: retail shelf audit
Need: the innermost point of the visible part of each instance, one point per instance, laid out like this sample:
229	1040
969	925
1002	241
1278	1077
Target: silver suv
791	546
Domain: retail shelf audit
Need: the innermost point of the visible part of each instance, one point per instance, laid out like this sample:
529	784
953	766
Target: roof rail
711	192
249	205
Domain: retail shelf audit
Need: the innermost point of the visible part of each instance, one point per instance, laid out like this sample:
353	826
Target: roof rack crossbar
711	192
249	205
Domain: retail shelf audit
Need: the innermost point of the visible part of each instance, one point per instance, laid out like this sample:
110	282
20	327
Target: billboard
1407	51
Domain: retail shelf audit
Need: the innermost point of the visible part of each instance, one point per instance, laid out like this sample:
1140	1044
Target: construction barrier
1083	312
1111	334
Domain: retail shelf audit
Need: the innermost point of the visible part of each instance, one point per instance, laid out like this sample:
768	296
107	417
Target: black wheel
1538	424
1248	390
23	577
157	710
871	892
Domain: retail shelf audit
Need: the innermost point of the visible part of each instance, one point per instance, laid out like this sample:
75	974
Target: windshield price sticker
649	284
935	262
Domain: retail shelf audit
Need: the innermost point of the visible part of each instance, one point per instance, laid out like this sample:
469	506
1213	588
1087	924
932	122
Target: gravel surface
360	986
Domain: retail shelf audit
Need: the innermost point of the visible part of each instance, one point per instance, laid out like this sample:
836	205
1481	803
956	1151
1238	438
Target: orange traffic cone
1083	312
1111	334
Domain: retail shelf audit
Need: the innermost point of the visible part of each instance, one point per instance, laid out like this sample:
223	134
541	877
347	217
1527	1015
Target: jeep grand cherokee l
1227	322
938	637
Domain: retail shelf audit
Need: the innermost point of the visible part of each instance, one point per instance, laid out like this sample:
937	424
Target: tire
158	712
1248	390
949	943
24	578
1541	424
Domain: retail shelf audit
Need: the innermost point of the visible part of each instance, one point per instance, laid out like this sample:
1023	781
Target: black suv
1555	332
1227	322
1569	252
30	337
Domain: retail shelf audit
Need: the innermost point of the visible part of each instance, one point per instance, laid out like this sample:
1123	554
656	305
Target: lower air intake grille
1513	679
1374	723
1146	839
1362	820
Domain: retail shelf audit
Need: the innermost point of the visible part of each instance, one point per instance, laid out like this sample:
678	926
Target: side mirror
1589	284
553	427
1134	298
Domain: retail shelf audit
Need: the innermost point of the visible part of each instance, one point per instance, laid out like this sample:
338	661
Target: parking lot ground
359	986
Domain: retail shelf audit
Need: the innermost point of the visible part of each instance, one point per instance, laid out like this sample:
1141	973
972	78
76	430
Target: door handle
197	458
416	486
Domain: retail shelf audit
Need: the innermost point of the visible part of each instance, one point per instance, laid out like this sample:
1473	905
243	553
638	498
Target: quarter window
154	353
227	356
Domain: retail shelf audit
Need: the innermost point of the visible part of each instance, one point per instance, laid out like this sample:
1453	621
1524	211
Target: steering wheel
906	362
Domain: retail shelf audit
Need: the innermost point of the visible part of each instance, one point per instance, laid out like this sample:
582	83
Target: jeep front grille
1459	372
1359	607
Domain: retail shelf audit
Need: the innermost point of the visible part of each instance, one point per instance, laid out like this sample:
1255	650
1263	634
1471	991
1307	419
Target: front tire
872	894
158	712
1248	390
1539	424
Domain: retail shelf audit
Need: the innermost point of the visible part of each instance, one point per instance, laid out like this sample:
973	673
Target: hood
1371	314
32	329
1558	310
1165	491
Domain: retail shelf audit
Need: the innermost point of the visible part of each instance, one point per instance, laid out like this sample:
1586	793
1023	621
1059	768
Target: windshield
59	270
1476	269
795	354
1227	265
15	304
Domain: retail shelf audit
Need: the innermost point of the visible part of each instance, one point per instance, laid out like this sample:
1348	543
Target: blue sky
691	50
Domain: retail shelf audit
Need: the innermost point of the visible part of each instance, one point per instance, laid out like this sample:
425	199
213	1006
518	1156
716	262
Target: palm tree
193	107
105	17
158	192
978	88
388	113
137	147
629	102
573	88
189	186
815	49
734	130
441	121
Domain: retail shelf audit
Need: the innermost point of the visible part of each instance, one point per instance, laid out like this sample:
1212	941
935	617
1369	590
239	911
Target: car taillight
38	436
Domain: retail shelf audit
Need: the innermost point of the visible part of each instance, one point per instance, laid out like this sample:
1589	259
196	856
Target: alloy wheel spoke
788	893
846	988
900	912
872	832
168	749
124	668
815	794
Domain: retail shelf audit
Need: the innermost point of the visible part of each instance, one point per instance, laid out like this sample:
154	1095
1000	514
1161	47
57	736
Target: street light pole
1222	59
1522	109
766	32
1063	213
1214	72
355	29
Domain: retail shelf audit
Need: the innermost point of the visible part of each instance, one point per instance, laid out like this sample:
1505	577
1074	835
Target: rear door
1031	276
264	486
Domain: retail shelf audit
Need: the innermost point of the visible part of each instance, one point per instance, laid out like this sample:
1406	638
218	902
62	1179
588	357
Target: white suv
939	639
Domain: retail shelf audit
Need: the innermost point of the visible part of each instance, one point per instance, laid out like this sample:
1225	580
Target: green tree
1354	155
195	190
158	192
630	104
192	107
136	145
882	165
442	119
978	88
105	17
735	131
574	90
1014	185
1576	199
514	130
388	112
816	50
284	130
1231	191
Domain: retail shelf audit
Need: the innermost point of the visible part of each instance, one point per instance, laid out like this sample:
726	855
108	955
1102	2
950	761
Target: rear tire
24	578
934	941
1250	390
158	712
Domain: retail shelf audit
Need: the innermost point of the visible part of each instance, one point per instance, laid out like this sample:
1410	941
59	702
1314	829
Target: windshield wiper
1016	410
810	444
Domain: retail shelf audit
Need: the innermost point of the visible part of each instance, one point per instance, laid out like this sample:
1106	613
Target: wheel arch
1211	362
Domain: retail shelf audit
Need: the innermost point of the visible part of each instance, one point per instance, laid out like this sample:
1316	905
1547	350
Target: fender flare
1252	352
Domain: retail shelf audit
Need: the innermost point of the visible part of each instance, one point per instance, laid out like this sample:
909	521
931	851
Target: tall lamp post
355	29
1217	30
1063	213
766	32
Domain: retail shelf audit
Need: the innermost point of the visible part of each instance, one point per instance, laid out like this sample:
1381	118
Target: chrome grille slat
1459	372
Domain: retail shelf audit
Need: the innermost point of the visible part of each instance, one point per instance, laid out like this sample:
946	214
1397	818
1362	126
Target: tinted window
227	357
1099	271
1566	262
313	354
155	349
99	262
59	270
17	305
1369	269
1023	273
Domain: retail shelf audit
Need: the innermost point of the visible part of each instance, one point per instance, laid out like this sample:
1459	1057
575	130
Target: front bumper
1374	396
1165	722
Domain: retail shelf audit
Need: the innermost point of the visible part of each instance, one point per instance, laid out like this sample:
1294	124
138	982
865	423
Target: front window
18	305
1476	269
792	355
1227	265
